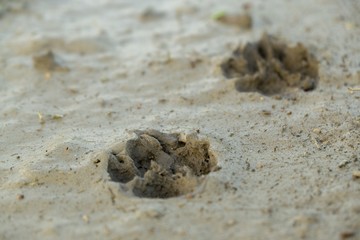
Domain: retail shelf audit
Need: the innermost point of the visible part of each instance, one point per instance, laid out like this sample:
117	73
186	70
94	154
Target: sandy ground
289	165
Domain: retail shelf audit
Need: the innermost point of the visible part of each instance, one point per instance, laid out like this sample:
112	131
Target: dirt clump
47	63
243	21
270	67
160	165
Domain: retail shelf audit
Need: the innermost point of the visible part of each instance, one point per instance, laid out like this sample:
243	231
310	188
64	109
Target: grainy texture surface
288	166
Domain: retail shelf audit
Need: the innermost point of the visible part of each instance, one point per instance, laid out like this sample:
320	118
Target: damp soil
160	165
270	67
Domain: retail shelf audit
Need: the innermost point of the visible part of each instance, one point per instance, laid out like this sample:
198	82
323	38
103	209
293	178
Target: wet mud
270	67
160	165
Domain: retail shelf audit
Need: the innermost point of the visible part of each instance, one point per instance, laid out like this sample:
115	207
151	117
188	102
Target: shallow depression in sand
160	165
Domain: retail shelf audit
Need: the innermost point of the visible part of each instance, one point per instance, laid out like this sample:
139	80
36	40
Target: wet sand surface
79	79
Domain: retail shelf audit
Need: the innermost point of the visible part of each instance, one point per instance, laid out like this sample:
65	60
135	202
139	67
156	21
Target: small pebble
356	174
20	197
265	112
85	218
344	163
317	130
